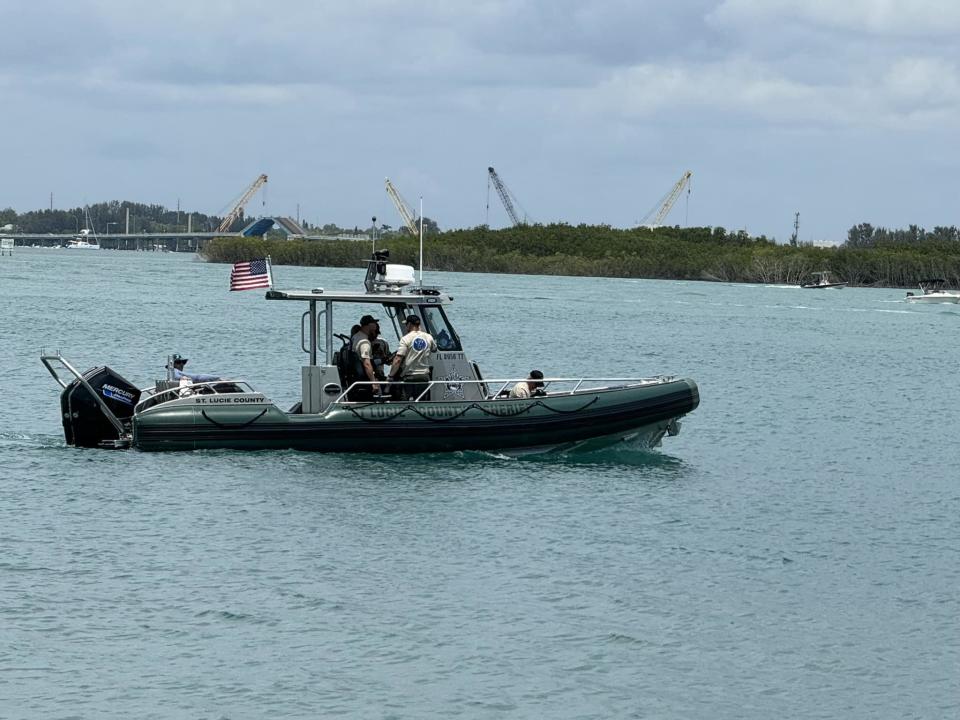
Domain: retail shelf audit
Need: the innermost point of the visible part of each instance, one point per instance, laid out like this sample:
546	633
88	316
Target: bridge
292	229
157	242
263	225
175	242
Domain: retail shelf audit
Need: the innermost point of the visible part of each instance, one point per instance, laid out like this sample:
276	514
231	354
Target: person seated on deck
178	374
531	387
411	362
363	356
345	358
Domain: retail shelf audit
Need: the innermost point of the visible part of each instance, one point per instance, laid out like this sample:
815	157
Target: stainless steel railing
558	386
151	397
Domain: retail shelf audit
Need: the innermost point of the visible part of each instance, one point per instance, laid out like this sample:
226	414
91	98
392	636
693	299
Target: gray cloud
613	33
591	110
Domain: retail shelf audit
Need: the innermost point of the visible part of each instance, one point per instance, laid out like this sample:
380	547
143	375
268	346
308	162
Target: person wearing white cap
178	374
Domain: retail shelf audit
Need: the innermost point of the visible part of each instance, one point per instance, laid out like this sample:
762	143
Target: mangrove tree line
880	257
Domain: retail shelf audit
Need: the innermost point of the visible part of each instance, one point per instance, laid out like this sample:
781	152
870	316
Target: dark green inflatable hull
641	413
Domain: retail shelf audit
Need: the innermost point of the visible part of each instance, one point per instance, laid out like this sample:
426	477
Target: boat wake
20	440
622	454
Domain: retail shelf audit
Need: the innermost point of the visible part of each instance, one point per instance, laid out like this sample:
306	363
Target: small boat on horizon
82	240
80	244
821	281
931	291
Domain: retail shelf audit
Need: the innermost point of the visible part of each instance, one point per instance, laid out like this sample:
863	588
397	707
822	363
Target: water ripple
792	553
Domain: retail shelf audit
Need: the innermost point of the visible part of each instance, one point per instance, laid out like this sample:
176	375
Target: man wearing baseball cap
363	352
177	373
413	356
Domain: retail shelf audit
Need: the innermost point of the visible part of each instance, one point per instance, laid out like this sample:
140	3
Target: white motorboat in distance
81	245
821	281
82	241
931	291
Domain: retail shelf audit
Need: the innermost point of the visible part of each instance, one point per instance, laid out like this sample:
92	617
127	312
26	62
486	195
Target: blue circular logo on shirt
419	344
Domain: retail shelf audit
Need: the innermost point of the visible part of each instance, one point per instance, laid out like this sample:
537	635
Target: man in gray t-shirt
413	356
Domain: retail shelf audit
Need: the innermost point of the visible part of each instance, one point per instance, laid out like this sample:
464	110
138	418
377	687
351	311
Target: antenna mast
421	240
796	228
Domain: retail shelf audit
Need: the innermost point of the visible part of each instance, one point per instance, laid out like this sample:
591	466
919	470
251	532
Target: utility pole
796	229
51	202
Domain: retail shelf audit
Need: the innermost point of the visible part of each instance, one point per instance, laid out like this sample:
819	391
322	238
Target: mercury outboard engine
85	424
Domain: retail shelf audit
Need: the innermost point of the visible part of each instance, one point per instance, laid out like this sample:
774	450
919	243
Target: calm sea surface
793	553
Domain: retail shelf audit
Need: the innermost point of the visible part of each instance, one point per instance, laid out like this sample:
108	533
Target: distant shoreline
702	254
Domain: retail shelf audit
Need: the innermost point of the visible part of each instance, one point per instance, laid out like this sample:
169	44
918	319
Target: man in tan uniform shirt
531	386
413	354
363	349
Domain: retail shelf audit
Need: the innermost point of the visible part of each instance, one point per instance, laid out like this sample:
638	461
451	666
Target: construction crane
408	216
237	210
665	204
508	199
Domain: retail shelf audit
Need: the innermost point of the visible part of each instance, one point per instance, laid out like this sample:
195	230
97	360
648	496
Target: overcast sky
590	111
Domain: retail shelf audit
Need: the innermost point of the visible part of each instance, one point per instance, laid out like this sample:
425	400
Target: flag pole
270	272
421	239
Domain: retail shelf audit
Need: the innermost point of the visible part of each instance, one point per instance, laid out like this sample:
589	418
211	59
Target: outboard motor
85	423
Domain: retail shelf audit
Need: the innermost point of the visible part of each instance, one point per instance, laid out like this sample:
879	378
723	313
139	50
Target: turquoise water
792	553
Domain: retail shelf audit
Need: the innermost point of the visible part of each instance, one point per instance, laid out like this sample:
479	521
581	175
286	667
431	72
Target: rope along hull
398	427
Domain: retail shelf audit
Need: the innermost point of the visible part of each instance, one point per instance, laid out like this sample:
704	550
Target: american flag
251	275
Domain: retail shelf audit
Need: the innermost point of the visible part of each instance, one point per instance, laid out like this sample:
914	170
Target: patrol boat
458	410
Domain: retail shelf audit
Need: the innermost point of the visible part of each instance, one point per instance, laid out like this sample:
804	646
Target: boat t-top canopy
390	286
932	285
412	296
385	284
